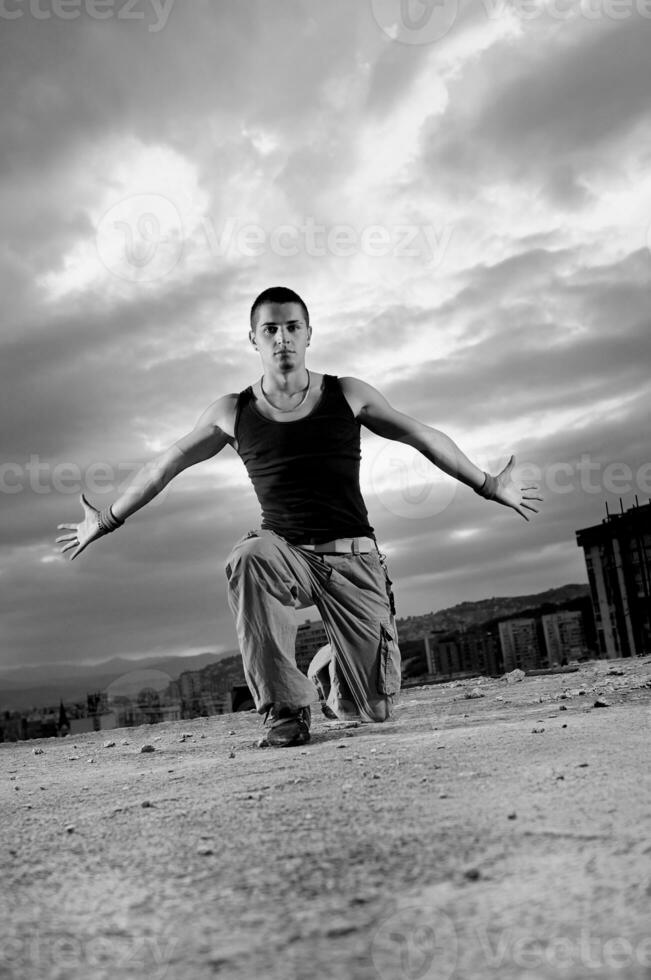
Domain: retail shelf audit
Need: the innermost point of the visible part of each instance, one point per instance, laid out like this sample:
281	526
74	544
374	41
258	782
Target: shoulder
220	414
359	394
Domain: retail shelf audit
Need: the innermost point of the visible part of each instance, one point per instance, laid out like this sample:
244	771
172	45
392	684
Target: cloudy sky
461	193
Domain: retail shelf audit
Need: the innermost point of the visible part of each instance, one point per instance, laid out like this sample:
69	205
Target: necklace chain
306	392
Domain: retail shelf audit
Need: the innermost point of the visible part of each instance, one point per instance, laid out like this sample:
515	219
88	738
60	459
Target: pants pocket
389	661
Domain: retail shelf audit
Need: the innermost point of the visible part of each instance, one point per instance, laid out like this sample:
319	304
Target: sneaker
286	726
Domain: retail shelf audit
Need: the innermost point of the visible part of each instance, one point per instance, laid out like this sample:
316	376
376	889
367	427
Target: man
298	433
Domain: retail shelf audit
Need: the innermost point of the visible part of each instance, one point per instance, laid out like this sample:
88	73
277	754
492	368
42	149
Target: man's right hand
79	536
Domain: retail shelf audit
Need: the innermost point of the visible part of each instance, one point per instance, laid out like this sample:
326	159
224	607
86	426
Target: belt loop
355	546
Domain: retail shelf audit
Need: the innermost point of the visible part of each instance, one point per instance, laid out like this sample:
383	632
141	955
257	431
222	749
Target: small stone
146	804
562	707
231	731
563	726
474	693
599	703
560	777
90	761
38	751
109	745
72	758
515	676
537	731
148	748
583	765
204	850
70	829
231	754
472	874
376	775
125	741
443	796
512	816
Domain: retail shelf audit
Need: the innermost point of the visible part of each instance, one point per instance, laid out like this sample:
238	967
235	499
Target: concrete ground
488	831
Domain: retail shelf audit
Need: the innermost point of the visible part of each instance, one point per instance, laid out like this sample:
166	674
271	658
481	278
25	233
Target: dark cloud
543	113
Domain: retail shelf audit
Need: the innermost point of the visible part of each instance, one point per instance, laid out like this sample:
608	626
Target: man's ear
252	338
309	335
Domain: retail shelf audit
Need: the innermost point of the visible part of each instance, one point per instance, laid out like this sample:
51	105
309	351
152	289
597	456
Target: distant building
457	653
618	560
446	653
564	636
417	657
310	637
521	646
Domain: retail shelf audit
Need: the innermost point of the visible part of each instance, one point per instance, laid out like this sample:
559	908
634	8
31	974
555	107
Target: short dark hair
278	294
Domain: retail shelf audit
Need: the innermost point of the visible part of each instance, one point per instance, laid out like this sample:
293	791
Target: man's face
281	335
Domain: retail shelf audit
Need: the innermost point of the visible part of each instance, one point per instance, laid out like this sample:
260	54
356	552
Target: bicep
381	418
204	441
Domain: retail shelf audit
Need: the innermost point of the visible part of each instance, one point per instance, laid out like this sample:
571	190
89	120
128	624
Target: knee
379	711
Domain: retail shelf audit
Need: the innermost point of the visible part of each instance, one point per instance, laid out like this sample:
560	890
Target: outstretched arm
204	441
375	412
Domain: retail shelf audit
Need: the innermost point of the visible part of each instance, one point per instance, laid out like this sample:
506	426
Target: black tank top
305	473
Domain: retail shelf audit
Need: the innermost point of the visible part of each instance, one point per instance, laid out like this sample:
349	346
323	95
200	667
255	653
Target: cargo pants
358	671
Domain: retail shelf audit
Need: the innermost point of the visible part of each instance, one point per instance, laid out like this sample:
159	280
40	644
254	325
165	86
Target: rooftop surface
488	830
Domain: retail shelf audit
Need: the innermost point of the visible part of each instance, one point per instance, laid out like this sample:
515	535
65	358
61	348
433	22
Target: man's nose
282	336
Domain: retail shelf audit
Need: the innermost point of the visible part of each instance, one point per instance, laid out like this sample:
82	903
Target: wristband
488	489
107	521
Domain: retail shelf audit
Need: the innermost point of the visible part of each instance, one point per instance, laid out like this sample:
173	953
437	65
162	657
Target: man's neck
286	382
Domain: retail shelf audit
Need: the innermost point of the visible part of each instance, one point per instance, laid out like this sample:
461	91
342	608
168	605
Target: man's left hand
511	494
